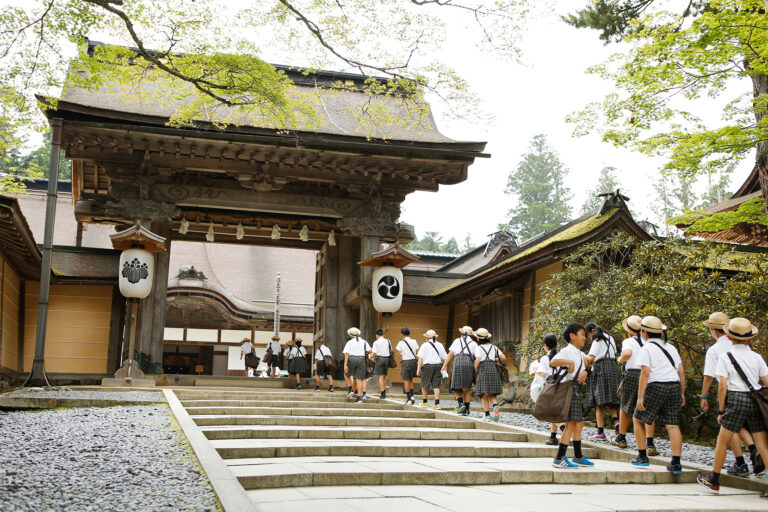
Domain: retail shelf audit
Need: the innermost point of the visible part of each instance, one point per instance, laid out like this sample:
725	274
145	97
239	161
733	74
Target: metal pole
37	376
131	362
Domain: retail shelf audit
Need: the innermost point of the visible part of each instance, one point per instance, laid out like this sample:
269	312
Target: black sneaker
330	389
706	482
551	441
621	443
738	469
642	462
317	388
758	466
461	410
675	469
383	395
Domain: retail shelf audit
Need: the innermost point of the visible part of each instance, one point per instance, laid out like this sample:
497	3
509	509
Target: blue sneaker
564	463
640	461
675	469
584	461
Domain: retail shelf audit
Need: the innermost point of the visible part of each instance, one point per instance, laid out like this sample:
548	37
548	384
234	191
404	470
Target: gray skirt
381	365
297	365
463	373
408	369
629	387
603	383
488	380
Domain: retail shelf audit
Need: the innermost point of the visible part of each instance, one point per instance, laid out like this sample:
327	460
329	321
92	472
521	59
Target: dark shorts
356	366
408	369
629	391
381	365
741	412
322	369
430	376
275	363
662	402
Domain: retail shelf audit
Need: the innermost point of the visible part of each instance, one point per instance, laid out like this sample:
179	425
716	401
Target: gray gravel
122	396
100	459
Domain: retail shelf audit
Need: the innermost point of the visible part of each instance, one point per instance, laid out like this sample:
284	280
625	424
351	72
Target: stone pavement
286	447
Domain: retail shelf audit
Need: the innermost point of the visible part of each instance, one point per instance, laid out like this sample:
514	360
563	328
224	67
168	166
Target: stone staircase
284	446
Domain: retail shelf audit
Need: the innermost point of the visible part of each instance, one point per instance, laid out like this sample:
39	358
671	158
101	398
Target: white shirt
714	353
602	349
246	348
459	344
356	347
297	351
571	353
429	355
633	345
321	352
652	357
486	351
751	362
406	353
544	366
275	346
287	351
381	347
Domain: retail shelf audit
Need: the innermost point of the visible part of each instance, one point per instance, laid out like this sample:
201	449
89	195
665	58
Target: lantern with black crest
387	282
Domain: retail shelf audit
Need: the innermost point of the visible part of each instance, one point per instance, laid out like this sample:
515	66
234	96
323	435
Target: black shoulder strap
464	345
435	347
741	373
409	348
390	349
487	353
669	357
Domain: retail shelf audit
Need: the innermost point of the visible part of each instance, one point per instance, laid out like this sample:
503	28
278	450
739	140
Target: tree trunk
760	87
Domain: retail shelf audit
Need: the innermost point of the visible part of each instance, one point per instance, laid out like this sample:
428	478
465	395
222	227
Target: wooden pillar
152	311
369	317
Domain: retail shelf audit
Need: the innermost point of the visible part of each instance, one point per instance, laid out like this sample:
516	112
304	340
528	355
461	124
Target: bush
679	281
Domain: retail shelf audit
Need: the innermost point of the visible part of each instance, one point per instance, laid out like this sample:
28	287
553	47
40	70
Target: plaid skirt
356	365
603	383
297	365
381	365
430	376
463	373
488	380
662	401
576	412
408	369
741	412
629	391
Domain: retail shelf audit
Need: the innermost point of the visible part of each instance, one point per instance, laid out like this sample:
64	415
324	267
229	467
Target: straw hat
717	320
353	331
632	323
275	338
741	329
430	334
245	339
298	339
466	330
290	343
652	324
482	333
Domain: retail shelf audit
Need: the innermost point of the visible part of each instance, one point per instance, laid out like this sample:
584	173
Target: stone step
268	448
322	471
249	419
285	411
290	404
306	396
242	382
347	432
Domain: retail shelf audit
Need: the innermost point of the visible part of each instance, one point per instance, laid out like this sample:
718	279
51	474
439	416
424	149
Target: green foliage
432	241
613	18
679	281
607	182
538	185
16	169
750	212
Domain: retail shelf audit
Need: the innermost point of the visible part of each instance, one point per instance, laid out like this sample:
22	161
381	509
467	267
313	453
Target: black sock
349	389
423	400
621	437
577	449
409	394
643	454
740	461
460	401
553	435
488	413
675	459
714	478
437	401
466	404
561	448
649	441
615	420
600	430
752	449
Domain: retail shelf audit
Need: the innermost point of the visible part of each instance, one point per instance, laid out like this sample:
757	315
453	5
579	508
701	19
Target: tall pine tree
607	182
539	188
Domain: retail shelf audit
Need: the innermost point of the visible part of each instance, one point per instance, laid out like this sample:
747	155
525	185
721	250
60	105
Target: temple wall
77	335
10	298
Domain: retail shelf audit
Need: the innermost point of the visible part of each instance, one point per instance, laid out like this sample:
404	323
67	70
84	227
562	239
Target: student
740	410
380	354
660	391
463	373
320	368
603	380
296	362
246	350
572	357
630	354
355	361
274	364
544	370
717	323
408	348
431	356
488	380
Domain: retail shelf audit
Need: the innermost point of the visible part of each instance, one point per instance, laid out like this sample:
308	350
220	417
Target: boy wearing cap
739	370
431	356
408	348
717	323
462	350
660	392
355	361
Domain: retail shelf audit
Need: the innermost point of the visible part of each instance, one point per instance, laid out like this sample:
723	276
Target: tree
432	241
702	51
16	169
718	186
540	192
607	182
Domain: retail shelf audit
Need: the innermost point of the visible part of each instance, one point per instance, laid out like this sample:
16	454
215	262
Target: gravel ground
122	396
100	459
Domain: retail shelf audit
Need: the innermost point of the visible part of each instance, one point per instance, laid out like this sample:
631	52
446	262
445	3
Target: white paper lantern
137	270
387	289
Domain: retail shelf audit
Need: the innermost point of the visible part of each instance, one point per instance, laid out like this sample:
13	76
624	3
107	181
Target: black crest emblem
388	287
134	271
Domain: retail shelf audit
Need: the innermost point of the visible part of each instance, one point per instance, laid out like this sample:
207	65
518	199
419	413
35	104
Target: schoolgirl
739	370
380	354
320	368
488	380
573	358
630	355
604	378
431	356
408	360
717	323
660	391
355	361
544	371
462	350
296	362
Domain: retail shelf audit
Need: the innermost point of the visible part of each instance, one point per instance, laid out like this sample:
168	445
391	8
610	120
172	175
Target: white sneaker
350	394
413	401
